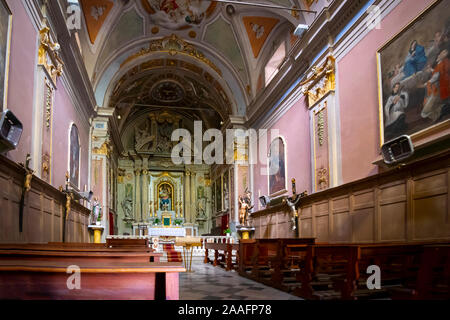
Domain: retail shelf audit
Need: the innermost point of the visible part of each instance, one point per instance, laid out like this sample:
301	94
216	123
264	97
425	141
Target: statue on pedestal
245	206
96	211
127	207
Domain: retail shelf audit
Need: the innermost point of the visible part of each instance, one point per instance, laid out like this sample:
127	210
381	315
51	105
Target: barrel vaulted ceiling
210	54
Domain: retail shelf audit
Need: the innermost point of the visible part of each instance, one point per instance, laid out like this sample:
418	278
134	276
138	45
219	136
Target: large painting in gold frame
5	42
414	75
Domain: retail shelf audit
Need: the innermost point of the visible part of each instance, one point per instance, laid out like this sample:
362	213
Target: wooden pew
47	280
434	275
223	254
124	251
246	252
113	243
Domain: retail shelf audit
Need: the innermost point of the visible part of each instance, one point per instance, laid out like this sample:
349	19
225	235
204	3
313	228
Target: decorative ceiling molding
173	46
95	13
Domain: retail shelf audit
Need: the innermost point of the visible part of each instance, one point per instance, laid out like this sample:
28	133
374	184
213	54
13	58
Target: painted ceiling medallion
258	30
178	14
95	14
168	92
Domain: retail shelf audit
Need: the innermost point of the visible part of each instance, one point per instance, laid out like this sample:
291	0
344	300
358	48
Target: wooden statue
245	206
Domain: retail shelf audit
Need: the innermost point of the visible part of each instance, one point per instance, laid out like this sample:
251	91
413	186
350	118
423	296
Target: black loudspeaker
264	200
397	150
10	131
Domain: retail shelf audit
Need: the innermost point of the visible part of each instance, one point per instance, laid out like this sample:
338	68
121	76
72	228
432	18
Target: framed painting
226	191
5	42
74	157
277	167
414	75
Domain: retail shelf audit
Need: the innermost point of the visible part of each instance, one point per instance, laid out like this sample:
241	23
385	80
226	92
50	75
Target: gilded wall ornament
322	81
48	55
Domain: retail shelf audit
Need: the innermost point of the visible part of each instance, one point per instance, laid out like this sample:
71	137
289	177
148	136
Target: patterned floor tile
214	283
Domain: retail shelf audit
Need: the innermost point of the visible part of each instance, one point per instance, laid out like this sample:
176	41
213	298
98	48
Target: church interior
224	150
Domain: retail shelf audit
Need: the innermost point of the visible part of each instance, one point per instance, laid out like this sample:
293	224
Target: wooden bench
223	255
47	280
246	252
137	252
113	243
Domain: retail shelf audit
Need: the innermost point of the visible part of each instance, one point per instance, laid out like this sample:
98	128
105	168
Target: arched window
272	67
277	167
74	157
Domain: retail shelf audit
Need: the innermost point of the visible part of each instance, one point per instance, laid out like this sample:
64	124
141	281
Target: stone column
187	195
145	200
137	213
193	212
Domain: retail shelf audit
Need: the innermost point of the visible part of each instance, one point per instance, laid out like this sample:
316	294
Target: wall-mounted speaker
10	131
397	150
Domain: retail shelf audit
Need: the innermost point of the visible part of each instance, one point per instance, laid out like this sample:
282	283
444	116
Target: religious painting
178	14
165	192
277	167
74	156
226	191
5	39
414	75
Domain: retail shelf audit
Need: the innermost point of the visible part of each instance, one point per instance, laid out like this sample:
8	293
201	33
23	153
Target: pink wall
23	64
358	93
294	128
23	59
64	115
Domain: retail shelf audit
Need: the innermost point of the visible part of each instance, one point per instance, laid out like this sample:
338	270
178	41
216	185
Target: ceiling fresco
222	49
178	14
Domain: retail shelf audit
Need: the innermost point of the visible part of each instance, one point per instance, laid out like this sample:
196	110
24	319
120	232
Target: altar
167	232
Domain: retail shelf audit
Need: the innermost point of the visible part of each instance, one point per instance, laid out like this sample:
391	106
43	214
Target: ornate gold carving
48	54
322	81
322	178
104	150
48	104
321	127
174	45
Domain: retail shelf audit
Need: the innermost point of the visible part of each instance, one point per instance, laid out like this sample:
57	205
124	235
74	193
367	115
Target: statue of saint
245	206
96	211
127	206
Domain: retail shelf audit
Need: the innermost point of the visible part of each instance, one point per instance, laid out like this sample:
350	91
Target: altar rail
43	212
410	203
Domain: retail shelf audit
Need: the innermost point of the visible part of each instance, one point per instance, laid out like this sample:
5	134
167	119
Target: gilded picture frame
5	48
410	98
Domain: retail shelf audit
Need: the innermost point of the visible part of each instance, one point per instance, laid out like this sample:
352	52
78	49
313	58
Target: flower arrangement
156	221
227	231
178	222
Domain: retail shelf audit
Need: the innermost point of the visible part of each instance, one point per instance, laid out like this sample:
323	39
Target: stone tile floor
214	283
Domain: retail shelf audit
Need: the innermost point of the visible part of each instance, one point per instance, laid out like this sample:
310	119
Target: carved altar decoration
48	54
321	81
127	204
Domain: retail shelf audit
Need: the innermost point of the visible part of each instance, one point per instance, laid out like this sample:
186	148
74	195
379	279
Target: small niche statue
96	211
245	206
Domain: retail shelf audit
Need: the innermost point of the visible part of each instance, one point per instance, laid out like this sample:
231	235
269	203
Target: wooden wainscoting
43	212
410	203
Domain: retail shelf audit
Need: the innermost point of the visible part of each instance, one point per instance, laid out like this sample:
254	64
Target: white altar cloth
167	232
